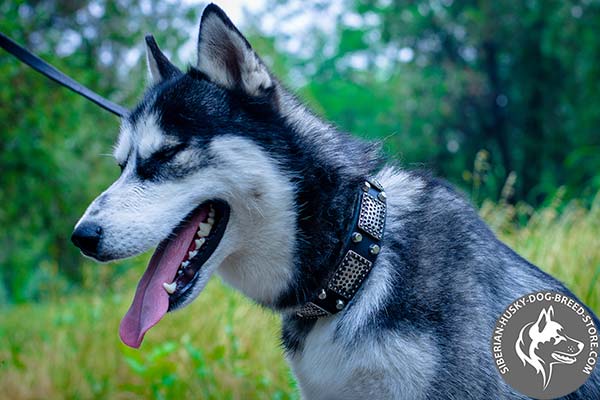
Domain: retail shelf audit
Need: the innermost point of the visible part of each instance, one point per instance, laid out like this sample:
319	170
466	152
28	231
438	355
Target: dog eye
557	339
150	167
169	152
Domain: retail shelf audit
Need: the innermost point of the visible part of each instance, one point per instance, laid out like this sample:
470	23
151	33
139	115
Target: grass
222	346
564	243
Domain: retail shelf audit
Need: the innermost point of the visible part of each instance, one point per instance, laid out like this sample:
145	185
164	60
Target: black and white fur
421	324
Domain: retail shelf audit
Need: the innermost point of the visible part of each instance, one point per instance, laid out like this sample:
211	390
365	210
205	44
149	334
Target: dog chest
331	365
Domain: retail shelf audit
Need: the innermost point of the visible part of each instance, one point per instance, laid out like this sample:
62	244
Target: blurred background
500	98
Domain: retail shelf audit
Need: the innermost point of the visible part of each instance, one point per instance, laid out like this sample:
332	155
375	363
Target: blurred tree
52	142
440	80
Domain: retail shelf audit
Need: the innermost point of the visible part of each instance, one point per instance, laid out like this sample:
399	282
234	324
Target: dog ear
226	57
543	319
158	64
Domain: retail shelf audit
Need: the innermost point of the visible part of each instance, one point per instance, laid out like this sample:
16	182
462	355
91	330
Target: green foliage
440	80
513	88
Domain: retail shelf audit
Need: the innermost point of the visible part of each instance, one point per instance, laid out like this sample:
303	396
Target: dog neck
334	166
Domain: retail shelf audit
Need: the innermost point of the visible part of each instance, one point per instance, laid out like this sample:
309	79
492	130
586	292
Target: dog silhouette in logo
543	343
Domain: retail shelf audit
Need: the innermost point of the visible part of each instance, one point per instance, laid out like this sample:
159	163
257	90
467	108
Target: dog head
201	180
544	343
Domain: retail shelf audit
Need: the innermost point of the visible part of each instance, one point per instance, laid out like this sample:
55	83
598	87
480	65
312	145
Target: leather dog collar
361	248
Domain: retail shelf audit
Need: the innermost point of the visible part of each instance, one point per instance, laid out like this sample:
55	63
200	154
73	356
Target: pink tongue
151	301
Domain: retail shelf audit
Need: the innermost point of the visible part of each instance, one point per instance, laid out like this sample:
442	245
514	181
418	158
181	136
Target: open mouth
209	233
563	358
174	269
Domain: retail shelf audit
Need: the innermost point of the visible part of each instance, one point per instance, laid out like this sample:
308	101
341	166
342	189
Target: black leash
49	71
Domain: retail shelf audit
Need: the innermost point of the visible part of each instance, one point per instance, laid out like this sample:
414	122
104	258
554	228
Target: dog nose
87	236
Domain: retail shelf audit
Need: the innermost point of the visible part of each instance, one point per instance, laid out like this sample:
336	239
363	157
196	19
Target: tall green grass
222	346
562	239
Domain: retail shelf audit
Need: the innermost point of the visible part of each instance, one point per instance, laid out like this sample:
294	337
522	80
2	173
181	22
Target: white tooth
204	228
170	287
199	242
191	254
211	213
185	264
210	221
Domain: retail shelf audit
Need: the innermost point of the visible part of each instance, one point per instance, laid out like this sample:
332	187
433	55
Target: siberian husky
224	171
